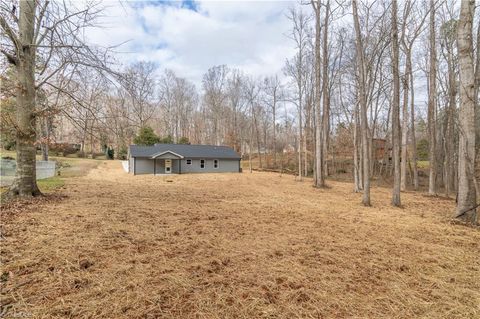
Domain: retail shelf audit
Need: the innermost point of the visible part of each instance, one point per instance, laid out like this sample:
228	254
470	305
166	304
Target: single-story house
182	158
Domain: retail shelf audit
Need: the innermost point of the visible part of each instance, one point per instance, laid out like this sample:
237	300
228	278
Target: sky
189	37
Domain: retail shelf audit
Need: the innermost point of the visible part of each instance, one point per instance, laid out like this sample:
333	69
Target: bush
63	148
183	140
146	136
422	150
167	140
122	153
110	153
62	164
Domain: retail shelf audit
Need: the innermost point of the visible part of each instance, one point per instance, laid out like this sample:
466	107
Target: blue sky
186	4
191	36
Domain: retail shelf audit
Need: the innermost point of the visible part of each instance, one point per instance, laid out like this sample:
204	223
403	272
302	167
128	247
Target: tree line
356	78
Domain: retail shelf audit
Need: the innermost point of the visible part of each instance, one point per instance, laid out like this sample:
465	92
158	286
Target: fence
7	170
125	166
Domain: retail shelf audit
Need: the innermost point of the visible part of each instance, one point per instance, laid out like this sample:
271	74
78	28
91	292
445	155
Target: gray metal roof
187	151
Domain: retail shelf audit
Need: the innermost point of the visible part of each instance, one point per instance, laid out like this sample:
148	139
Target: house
379	148
182	158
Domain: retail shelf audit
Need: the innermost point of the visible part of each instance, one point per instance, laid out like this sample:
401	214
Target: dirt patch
236	246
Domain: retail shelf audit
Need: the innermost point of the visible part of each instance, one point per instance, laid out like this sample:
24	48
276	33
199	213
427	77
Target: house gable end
167	155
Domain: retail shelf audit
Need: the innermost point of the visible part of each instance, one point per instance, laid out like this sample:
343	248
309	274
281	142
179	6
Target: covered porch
167	163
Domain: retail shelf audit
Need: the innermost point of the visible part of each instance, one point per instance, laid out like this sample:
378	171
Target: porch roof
167	155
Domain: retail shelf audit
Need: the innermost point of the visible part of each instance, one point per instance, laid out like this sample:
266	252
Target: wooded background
374	89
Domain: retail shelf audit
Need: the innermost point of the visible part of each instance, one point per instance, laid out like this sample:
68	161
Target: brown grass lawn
235	246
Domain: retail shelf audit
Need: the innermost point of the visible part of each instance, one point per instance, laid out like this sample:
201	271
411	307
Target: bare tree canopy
377	93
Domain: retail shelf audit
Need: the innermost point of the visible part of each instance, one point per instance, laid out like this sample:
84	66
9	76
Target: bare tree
477	108
51	31
432	102
251	90
140	85
448	43
319	180
45	119
236	104
177	101
296	69
118	116
273	88
325	90
413	23
395	108
23	57
360	65
214	86
466	198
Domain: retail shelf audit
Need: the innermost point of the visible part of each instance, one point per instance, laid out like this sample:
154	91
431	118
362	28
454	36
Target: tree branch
39	21
11	58
10	33
66	18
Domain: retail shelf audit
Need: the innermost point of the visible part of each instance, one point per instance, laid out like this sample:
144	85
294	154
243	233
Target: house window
189	162
215	163
202	163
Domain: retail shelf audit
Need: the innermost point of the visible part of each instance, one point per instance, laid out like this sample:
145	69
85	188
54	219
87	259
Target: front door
168	166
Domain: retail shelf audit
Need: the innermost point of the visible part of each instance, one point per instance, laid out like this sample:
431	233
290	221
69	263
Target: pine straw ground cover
235	246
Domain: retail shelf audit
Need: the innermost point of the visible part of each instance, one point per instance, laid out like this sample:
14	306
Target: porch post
154	166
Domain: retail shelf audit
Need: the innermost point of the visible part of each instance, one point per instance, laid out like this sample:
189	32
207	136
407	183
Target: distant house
181	159
379	148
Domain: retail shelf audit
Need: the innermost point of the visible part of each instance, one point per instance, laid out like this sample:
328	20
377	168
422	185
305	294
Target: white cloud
246	34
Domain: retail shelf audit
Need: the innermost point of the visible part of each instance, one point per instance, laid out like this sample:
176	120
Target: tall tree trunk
477	111
83	147
432	102
450	140
44	149
258	141
25	183
466	199
319	178
250	143
44	129
396	109
406	83
363	106
413	138
305	142
92	152
299	145
274	133
325	91
356	151
265	148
